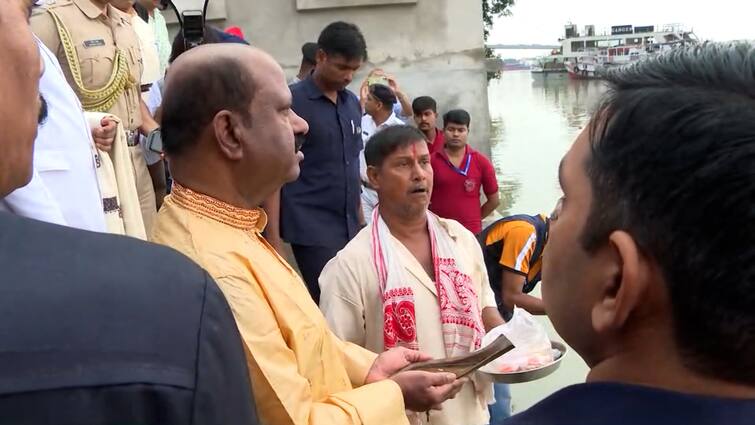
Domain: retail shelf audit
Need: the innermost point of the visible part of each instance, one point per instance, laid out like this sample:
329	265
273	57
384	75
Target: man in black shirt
641	275
99	329
320	211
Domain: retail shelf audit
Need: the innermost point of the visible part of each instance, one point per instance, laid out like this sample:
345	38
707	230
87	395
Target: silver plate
528	375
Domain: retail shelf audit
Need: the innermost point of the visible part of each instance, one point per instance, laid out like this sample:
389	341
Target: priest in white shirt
64	188
379	114
411	278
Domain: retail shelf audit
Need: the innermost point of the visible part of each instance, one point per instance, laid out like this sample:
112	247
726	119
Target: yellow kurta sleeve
358	361
283	395
370	404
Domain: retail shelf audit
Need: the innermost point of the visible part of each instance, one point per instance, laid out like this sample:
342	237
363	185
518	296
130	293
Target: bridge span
523	46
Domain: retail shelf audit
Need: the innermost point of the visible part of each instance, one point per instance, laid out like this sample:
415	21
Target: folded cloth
120	200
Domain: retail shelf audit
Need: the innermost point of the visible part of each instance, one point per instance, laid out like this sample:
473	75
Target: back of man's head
673	164
424	103
384	95
212	35
203	82
309	53
343	39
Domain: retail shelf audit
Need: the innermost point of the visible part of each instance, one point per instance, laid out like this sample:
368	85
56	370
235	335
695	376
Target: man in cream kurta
352	299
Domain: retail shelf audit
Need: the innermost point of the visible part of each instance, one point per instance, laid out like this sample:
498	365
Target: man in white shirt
160	31
64	188
378	107
147	45
410	278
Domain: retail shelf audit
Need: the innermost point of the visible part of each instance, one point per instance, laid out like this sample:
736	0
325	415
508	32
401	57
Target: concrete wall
434	47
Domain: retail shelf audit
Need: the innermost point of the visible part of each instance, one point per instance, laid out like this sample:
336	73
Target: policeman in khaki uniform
99	53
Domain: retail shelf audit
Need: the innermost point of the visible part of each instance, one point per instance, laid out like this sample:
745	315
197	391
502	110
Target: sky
542	21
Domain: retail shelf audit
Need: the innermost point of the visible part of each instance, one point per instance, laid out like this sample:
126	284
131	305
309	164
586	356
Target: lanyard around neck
467	163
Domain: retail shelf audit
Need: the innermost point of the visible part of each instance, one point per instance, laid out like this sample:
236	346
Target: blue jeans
502	407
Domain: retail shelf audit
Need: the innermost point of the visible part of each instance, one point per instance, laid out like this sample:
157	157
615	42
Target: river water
534	122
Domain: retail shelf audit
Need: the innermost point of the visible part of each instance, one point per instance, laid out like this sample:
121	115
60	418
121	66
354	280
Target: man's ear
320	56
624	282
228	134
373	176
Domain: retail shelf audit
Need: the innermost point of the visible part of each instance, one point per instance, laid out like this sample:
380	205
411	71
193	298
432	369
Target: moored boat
587	55
548	65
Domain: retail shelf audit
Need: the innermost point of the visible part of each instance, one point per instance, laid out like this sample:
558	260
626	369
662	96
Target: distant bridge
523	46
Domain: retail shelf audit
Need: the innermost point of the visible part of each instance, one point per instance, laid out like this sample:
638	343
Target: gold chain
102	99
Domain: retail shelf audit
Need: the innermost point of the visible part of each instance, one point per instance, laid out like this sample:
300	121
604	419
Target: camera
193	28
378	79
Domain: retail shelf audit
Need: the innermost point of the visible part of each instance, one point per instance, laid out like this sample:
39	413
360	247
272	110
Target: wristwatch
155	141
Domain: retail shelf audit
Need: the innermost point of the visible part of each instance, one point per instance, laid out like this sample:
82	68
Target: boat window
577	46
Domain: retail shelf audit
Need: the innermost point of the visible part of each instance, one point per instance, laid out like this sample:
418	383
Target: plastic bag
530	339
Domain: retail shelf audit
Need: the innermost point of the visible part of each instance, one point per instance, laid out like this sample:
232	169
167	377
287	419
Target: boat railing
606	31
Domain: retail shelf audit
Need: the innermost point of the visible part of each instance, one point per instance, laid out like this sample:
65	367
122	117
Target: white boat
584	68
586	55
548	65
590	65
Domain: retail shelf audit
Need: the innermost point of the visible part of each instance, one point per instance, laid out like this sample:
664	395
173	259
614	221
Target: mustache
42	117
298	142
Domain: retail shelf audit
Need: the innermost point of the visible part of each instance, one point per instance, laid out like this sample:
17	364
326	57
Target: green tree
492	9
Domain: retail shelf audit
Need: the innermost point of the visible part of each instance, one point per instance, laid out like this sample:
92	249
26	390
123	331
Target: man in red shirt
425	116
460	172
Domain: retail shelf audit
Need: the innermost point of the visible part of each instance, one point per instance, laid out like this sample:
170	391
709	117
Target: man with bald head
229	149
85	338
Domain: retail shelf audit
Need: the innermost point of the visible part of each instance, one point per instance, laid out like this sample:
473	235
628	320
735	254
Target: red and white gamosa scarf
460	315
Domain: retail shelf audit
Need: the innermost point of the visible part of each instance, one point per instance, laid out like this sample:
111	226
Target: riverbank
534	122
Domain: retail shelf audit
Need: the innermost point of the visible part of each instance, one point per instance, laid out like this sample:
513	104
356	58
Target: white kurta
351	302
64	188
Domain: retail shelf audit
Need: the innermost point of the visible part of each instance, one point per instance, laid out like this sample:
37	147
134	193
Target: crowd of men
208	323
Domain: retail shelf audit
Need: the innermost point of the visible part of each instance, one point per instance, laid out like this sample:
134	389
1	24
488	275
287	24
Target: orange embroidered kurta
300	371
